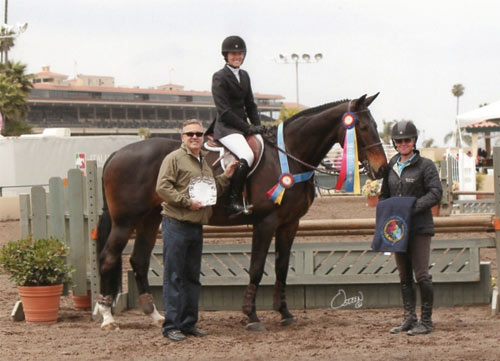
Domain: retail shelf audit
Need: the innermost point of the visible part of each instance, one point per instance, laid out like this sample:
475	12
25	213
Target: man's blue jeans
182	247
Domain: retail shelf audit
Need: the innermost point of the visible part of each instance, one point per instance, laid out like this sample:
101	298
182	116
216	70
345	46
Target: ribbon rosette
349	170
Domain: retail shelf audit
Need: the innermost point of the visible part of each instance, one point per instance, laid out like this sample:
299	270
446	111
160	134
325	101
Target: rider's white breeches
238	145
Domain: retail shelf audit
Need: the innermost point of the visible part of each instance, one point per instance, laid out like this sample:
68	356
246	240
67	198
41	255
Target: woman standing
233	97
411	175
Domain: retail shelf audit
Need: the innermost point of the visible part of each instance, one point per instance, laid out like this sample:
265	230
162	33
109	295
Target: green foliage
386	132
14	89
466	138
479	181
41	262
286	113
428	143
144	133
15	128
457	90
8	42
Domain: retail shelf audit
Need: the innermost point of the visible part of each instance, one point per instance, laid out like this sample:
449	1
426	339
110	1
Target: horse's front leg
110	272
140	259
284	240
262	236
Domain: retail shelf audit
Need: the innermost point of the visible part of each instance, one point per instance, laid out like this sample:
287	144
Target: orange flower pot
82	302
40	303
371	201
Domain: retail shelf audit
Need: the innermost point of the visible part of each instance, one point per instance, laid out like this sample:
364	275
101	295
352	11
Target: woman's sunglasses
405	140
192	134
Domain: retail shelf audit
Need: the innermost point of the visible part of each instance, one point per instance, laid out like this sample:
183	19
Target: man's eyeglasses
405	140
192	134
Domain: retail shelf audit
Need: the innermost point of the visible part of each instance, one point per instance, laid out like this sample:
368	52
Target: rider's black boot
238	180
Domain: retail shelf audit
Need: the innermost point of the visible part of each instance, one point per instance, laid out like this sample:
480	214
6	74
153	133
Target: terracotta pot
40	303
435	210
82	302
371	201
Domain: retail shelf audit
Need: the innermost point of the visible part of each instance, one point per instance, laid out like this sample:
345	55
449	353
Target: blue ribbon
349	182
301	177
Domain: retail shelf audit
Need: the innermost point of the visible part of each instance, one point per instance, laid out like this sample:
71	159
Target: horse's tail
104	224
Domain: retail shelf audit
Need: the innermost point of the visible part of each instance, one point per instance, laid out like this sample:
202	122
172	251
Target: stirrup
241	210
247	208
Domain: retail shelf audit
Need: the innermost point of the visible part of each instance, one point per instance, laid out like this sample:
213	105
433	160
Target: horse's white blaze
157	317
107	317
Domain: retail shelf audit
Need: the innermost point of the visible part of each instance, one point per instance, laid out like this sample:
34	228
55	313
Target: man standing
184	212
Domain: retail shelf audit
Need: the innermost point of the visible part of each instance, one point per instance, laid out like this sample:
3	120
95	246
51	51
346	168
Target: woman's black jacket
419	179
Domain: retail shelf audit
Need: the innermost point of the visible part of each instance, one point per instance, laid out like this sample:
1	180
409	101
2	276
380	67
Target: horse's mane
319	108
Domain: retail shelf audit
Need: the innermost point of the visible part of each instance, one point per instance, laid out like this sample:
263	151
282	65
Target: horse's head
370	150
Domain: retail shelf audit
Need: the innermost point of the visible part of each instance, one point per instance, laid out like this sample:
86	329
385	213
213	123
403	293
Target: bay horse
131	202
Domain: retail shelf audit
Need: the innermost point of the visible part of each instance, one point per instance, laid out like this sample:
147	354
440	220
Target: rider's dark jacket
234	102
419	179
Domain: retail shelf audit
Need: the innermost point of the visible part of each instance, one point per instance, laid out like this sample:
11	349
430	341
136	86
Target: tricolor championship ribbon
286	180
349	170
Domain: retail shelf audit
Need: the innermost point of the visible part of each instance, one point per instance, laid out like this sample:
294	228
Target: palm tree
15	86
6	42
428	143
386	132
467	138
457	91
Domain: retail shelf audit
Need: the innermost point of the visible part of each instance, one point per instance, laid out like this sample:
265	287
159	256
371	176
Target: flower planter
371	201
82	302
41	303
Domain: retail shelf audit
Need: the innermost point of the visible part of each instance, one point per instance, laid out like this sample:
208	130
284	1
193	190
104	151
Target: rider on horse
234	101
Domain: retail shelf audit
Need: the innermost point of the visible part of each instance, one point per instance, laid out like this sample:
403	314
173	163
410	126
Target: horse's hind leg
284	240
262	236
146	232
110	271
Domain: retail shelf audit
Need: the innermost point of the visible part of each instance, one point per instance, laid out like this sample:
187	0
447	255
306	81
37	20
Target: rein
270	140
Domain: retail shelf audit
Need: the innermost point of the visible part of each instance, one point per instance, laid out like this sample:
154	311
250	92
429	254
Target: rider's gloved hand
255	129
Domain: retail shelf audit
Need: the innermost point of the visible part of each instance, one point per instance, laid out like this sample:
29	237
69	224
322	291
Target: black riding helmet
233	43
404	129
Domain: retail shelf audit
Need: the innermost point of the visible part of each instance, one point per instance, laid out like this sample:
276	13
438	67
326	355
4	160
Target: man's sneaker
196	332
175	335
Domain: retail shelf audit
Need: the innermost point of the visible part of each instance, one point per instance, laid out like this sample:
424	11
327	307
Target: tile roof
483	124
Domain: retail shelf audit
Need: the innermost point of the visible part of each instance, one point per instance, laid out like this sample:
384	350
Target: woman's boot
409	302
425	325
233	206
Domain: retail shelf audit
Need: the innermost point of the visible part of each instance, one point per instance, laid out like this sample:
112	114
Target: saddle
225	158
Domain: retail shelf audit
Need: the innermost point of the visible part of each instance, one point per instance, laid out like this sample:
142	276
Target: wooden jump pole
362	225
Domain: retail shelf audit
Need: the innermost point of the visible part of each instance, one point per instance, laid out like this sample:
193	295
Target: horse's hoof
288	321
113	326
256	327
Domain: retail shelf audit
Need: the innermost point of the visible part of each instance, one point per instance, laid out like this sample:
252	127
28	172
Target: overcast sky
412	52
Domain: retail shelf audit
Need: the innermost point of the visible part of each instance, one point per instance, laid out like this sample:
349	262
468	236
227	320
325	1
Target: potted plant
371	190
39	269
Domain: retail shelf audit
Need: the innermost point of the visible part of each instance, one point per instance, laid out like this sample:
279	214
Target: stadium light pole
294	58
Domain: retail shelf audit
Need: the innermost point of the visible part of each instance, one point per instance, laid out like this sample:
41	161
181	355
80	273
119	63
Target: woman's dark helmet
404	129
233	43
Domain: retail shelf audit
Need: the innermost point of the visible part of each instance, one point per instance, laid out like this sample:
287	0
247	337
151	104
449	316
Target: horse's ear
369	100
359	102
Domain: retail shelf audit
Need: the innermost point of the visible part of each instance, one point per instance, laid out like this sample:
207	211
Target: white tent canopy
488	112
